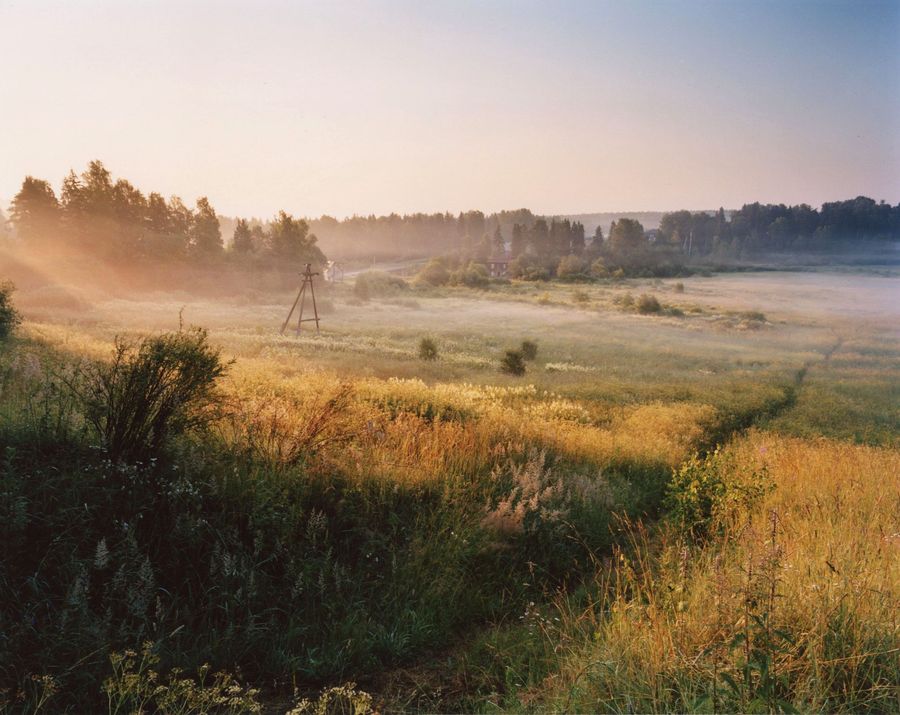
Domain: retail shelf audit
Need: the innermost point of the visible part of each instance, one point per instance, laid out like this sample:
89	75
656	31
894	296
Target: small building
498	265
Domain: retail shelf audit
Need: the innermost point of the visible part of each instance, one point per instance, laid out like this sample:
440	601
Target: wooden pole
300	316
296	300
301	299
312	292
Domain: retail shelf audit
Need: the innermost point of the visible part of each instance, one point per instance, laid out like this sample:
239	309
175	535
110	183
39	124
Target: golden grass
820	558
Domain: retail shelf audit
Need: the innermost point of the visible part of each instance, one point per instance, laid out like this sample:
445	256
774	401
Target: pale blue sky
563	107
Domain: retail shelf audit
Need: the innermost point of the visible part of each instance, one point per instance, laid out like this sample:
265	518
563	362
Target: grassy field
449	537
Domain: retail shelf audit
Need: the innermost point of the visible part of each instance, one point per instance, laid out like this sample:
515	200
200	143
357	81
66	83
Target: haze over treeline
99	215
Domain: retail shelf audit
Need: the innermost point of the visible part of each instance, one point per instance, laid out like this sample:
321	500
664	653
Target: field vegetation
687	501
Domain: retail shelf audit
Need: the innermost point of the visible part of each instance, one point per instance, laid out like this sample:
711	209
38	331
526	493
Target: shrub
161	387
598	269
679	287
513	363
475	275
626	301
571	267
9	316
529	349
428	349
434	273
705	495
528	269
376	284
647	304
580	296
754	316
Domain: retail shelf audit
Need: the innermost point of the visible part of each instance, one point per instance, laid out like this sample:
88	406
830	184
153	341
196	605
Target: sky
345	108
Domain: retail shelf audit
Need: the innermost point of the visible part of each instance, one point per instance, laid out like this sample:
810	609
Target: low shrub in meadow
513	363
9	316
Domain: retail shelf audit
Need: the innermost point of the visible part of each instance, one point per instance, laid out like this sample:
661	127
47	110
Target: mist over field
333	379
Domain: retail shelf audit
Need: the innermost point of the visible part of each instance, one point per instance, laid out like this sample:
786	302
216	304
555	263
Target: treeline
112	219
558	248
100	216
416	234
761	228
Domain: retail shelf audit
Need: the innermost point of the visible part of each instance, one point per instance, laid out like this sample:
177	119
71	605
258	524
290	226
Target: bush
528	269
529	349
428	349
475	275
571	267
435	273
598	269
626	301
9	316
159	388
377	284
648	304
513	363
580	296
679	287
707	495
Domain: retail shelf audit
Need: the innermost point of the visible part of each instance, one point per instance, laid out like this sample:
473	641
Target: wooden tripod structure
301	299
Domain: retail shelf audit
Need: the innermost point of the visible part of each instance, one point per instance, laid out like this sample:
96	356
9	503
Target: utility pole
301	299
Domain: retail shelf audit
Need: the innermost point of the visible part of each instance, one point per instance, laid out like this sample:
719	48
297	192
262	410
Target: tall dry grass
794	607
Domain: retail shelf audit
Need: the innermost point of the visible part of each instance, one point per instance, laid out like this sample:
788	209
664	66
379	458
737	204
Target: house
498	265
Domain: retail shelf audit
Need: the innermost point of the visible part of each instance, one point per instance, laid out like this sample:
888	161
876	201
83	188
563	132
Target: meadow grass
354	506
803	586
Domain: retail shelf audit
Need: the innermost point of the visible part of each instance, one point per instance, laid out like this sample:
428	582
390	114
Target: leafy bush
378	284
428	349
598	269
475	275
705	495
161	387
9	316
571	267
435	273
513	363
529	349
648	304
528	269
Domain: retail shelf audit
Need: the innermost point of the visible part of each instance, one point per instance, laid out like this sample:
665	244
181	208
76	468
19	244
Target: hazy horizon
345	109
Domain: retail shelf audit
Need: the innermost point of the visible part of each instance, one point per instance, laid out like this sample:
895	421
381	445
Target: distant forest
111	218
